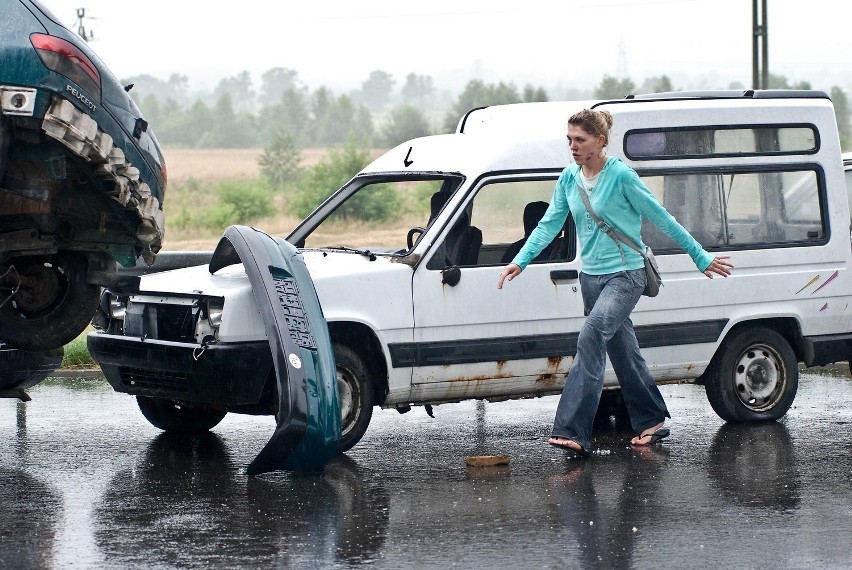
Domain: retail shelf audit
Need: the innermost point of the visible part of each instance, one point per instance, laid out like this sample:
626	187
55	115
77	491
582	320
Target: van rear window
740	209
720	141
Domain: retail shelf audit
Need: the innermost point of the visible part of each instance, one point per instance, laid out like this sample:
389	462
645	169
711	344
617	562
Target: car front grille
161	321
139	380
175	322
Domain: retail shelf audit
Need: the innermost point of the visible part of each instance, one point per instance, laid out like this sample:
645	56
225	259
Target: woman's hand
511	271
719	266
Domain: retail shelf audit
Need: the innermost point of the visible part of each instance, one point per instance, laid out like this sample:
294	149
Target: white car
411	302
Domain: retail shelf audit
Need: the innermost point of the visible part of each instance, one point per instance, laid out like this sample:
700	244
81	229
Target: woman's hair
596	123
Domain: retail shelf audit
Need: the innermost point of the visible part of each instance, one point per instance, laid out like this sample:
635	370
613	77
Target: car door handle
564	275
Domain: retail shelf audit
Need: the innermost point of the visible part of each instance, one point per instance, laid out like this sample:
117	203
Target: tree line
284	116
237	115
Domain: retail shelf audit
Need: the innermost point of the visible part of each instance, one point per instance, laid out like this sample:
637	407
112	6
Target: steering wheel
409	239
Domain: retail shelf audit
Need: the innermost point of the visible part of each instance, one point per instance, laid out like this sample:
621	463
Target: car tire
357	396
175	418
754	376
54	304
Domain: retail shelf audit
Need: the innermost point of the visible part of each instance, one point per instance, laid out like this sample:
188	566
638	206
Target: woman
611	282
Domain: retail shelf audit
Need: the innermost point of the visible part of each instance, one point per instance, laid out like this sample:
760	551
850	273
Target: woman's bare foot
651	435
573	448
566	443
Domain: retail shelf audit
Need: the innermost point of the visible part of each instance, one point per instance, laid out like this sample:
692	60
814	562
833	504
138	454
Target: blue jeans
608	301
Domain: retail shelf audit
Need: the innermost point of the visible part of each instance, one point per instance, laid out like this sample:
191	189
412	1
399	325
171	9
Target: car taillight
65	58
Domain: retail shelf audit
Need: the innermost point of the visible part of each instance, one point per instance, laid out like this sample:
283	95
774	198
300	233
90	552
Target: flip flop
655	437
581	453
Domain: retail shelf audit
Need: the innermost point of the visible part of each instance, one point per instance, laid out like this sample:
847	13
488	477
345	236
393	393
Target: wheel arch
788	327
363	340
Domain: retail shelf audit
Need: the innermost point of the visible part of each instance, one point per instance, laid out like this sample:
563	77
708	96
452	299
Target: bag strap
605	227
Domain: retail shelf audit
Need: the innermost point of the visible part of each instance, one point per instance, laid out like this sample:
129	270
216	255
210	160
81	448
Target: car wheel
173	417
753	377
355	387
49	301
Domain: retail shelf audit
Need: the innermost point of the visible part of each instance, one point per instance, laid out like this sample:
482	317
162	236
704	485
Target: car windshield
383	215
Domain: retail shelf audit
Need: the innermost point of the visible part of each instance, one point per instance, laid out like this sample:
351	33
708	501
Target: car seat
533	212
463	243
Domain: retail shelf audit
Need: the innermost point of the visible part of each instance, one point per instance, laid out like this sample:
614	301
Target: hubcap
349	401
39	288
759	377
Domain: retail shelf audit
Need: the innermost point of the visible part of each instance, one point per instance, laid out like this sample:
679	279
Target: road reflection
29	513
85	482
602	526
187	502
755	465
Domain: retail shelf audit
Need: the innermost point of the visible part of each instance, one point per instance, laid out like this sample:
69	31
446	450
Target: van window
849	192
498	208
719	141
739	209
494	225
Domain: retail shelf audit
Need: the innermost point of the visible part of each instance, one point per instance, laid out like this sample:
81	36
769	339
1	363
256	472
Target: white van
411	302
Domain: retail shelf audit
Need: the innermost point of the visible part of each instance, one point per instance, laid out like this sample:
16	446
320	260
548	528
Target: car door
470	338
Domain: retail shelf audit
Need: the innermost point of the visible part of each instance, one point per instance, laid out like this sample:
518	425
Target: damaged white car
412	305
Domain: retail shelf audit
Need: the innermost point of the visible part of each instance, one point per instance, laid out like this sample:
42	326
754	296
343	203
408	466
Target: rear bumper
224	376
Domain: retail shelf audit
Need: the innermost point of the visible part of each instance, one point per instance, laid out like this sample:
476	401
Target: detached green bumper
308	418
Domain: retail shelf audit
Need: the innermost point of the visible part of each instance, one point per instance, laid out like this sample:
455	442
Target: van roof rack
734	94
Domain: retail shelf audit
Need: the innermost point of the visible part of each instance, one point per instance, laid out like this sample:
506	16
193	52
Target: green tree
186	128
377	89
418	90
238	88
363	125
842	115
338	119
476	94
176	88
321	102
274	82
151	109
279	163
404	122
238	202
290	114
660	84
781	82
229	129
320	180
534	94
612	88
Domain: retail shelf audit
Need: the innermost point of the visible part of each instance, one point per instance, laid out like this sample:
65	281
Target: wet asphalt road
86	482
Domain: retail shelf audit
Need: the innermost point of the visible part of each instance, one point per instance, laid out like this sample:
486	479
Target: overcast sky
338	43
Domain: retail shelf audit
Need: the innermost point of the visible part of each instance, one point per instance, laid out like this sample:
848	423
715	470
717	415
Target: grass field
209	165
206	166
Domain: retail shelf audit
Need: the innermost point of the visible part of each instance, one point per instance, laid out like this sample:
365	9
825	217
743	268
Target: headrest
533	212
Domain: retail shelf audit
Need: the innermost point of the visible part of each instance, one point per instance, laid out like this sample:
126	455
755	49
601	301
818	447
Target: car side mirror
451	276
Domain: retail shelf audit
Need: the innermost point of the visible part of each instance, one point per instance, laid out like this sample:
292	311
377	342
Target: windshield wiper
365	252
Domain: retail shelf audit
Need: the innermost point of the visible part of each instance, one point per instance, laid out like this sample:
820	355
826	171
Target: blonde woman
612	280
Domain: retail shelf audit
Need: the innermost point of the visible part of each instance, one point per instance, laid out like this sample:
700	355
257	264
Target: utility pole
81	29
622	60
759	46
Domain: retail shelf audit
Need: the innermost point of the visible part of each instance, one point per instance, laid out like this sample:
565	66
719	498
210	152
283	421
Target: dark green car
82	179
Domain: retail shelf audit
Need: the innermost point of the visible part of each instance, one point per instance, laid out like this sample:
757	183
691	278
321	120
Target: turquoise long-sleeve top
620	199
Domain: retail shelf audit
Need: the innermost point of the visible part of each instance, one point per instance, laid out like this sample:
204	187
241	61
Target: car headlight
214	312
115	306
